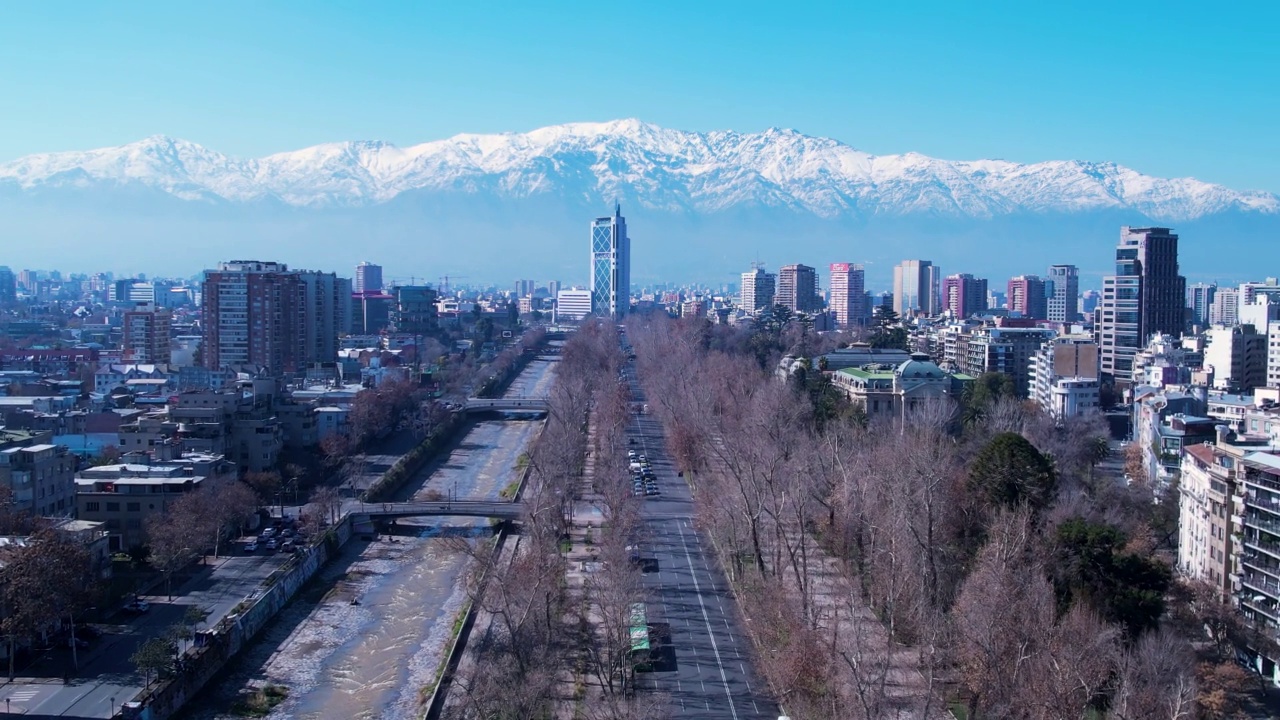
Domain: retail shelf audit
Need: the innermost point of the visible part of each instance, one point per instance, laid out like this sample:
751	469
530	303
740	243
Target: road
106	677
701	648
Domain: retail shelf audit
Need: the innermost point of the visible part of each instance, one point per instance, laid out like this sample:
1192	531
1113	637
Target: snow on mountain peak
657	167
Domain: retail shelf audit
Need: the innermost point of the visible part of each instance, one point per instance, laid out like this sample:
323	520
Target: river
372	659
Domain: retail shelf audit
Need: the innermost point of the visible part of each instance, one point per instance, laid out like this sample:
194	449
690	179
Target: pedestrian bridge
507	404
497	509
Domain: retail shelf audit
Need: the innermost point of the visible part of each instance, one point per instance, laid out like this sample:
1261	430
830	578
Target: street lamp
113	706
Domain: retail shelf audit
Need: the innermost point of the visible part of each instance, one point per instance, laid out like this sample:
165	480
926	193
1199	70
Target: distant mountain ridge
700	206
661	169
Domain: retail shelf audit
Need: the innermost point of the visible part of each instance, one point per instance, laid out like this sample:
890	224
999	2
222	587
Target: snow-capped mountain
661	169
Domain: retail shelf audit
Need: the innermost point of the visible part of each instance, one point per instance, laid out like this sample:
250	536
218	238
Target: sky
1169	89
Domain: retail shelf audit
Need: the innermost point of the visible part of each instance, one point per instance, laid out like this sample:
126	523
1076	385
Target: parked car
137	606
251	546
87	632
272	545
268	532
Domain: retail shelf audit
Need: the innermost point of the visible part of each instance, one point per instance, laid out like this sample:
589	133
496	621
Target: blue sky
1165	88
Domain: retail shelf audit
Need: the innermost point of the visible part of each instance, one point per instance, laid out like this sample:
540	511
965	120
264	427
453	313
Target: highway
702	652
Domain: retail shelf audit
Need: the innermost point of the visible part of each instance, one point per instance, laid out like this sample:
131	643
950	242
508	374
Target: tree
887	330
229	507
328	503
175	537
1156	680
1091	564
152	656
1009	472
265	484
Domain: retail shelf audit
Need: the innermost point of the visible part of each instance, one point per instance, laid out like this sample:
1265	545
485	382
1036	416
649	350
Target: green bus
639	637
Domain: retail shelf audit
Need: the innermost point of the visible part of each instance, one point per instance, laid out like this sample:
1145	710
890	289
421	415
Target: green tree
887	330
153	656
1126	588
1009	472
985	391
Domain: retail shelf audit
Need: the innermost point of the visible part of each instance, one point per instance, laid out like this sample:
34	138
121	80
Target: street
701	651
106	678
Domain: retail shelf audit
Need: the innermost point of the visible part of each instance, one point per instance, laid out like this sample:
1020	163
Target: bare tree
1156	679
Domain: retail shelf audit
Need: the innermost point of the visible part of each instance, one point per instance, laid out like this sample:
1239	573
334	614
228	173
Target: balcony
1256	582
1264	522
1269	547
1261	563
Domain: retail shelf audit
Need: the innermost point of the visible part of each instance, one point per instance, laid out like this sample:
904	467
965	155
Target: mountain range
515	205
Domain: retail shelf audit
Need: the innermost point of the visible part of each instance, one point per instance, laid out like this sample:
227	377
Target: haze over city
639	361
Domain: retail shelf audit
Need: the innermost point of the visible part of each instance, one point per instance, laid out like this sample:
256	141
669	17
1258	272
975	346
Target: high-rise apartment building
963	295
1062	294
1144	297
1064	376
326	313
368	278
1027	296
848	298
254	314
1199	300
757	290
574	304
798	288
610	266
916	288
1225	308
145	335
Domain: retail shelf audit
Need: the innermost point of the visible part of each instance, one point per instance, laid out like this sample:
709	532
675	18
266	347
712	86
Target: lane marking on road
707	620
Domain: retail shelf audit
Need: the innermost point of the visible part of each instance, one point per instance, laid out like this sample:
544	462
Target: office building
574	304
1199	301
415	310
1027	297
145	335
916	288
1145	297
610	266
757	290
1062	294
8	285
963	295
368	278
798	288
370	312
848	298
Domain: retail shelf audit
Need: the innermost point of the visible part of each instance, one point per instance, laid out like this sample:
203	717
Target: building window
92	507
113	507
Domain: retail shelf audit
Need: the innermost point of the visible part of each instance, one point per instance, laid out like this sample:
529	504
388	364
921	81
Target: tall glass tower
610	266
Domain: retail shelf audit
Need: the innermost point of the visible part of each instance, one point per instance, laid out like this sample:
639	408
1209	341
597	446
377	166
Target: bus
639	637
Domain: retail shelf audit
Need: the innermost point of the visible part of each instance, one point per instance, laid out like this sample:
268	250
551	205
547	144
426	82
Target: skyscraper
8	285
610	266
964	294
915	288
798	288
848	298
326	313
1027	296
757	290
1199	300
368	278
1064	297
1144	297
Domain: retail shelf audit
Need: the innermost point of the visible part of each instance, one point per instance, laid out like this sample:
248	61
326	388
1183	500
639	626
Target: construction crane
444	282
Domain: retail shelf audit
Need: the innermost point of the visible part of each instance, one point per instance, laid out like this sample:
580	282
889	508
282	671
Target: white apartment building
1204	516
1064	376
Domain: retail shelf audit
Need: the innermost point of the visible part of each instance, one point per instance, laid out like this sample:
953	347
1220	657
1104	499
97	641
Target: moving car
137	606
272	545
251	546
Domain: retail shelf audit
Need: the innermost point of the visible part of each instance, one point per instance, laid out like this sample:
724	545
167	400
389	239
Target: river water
372	659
